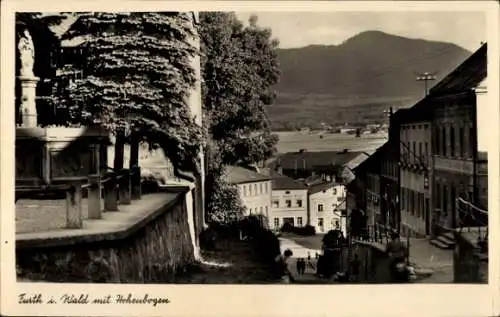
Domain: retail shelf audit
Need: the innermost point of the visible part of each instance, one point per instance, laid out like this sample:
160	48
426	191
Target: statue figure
26	54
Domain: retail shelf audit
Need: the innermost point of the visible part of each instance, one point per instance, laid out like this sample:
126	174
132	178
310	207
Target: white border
191	300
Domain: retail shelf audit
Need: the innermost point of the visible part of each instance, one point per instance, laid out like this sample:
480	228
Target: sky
299	29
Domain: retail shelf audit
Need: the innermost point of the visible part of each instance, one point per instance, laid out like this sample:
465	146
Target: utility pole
425	77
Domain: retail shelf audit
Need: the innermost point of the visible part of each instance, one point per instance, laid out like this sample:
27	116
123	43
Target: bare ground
242	266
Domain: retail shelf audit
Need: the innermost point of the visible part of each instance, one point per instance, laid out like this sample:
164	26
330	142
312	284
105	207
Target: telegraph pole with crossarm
425	77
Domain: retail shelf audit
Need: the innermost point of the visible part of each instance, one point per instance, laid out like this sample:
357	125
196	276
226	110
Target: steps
444	241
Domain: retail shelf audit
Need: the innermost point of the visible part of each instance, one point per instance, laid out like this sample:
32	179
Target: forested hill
370	68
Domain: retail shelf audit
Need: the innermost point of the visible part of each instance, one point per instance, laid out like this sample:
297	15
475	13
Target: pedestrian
302	266
281	267
308	256
354	268
299	265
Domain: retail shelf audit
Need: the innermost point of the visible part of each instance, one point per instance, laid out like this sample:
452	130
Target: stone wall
469	264
152	251
374	262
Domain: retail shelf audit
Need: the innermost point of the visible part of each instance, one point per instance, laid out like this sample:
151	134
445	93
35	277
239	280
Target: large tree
137	77
240	68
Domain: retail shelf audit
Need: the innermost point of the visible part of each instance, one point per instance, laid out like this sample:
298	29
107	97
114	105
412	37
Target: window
471	142
452	141
426	152
320	223
320	207
255	189
443	143
414	153
250	210
250	189
335	191
437	144
276	222
266	188
438	196
420	151
299	202
445	200
461	142
299	221
340	198
288	203
261	191
266	210
276	203
453	204
244	190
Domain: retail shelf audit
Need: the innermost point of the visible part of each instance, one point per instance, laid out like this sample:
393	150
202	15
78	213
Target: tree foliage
137	78
223	202
240	68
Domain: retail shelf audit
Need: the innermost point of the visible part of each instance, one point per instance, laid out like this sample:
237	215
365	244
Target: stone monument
28	80
52	154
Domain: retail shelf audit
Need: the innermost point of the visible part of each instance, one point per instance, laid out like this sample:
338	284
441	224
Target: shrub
303	231
267	246
266	243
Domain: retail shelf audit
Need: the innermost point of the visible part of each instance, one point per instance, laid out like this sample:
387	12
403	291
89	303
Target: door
427	217
289	220
321	225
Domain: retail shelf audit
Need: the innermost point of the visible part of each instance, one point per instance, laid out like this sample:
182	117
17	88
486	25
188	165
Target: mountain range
370	70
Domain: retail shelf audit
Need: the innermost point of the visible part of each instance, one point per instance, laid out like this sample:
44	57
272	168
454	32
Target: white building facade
256	197
289	203
327	207
254	188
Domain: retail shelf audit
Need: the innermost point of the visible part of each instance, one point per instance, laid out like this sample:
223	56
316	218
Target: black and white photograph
252	147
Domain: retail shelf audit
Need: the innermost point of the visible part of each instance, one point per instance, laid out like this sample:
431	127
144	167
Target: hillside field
294	141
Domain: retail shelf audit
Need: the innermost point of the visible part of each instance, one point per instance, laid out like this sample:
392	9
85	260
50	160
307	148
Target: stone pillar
110	193
94	197
28	103
74	206
135	170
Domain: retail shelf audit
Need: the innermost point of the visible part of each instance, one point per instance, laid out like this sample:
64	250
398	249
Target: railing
376	233
114	187
473	219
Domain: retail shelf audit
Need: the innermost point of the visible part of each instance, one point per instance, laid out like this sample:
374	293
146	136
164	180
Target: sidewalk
302	252
430	258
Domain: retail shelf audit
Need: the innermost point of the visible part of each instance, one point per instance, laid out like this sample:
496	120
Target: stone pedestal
28	101
50	156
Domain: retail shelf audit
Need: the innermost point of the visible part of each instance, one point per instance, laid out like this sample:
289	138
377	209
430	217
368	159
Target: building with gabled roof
254	188
289	202
327	206
330	165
